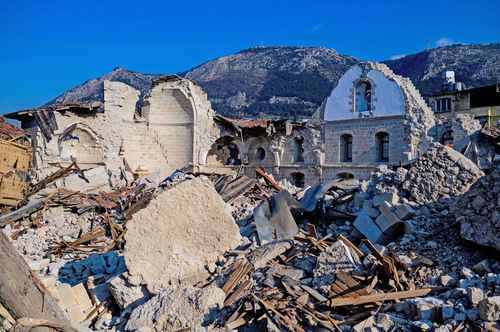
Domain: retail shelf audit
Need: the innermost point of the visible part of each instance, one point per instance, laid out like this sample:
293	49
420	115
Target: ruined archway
170	117
224	151
79	142
298	179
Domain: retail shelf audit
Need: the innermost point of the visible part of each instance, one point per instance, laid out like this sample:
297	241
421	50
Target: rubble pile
478	211
440	172
228	252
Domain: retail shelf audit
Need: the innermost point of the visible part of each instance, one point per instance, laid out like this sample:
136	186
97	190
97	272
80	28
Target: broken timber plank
268	178
22	212
357	300
20	292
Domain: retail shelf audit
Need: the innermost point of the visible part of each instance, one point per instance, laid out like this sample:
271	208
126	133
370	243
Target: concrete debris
176	309
439	173
335	258
489	308
126	295
176	233
478	211
274	220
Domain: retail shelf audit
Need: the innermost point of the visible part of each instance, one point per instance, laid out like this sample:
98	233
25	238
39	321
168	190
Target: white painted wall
388	96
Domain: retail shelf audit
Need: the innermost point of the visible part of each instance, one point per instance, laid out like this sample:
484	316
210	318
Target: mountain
93	90
293	81
475	65
281	81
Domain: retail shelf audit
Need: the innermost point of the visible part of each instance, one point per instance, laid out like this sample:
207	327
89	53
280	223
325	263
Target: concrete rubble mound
440	172
478	211
201	251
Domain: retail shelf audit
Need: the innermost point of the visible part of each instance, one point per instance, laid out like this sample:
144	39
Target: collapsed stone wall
120	138
419	118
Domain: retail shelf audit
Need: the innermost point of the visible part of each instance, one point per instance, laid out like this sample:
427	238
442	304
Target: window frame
346	143
383	141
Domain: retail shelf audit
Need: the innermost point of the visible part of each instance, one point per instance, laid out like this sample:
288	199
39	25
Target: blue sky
50	46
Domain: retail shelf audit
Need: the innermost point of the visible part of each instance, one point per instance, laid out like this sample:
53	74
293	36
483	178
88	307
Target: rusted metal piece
269	179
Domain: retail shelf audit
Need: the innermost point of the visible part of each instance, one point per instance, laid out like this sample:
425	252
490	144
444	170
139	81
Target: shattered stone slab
177	309
366	226
336	258
181	231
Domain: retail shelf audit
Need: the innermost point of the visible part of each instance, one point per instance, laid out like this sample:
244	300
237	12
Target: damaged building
371	118
153	213
174	128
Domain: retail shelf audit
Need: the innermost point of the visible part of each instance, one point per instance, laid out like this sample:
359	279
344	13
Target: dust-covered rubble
478	211
385	254
185	228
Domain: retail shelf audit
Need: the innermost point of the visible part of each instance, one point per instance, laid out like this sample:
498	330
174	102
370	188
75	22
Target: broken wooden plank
22	212
269	179
351	245
357	300
20	293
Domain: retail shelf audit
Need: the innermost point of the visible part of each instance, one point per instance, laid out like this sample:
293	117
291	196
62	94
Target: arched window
363	97
345	176
260	154
447	138
298	179
383	146
346	148
299	149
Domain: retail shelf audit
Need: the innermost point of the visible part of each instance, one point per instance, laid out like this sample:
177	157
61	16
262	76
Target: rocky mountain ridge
293	81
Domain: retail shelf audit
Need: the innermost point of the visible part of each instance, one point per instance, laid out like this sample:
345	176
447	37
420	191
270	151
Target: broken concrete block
391	218
176	309
73	300
366	226
181	231
98	180
391	198
427	308
365	324
489	308
404	211
263	254
126	295
475	295
274	220
337	257
369	209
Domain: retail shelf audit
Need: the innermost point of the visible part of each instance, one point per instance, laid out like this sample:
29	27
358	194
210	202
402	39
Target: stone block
369	209
365	225
489	308
391	198
475	295
404	211
73	300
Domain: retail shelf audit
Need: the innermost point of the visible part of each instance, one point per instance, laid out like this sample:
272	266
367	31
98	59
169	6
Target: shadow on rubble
106	265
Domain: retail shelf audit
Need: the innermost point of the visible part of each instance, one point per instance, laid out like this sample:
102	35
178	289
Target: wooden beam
357	300
23	294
